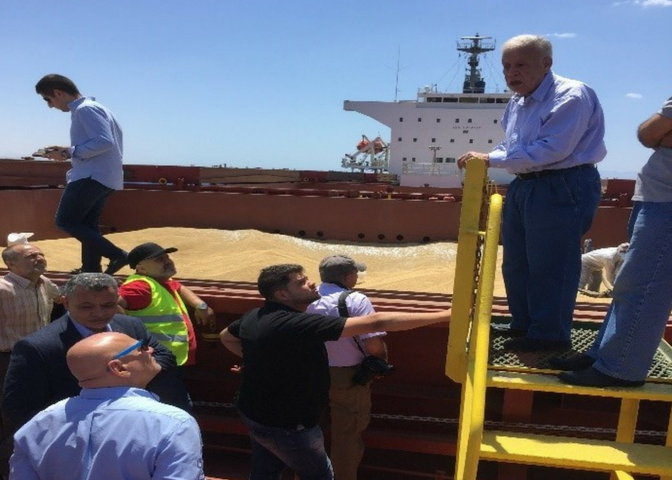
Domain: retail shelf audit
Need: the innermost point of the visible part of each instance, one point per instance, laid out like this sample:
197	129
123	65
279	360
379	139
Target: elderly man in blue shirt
114	429
96	156
554	138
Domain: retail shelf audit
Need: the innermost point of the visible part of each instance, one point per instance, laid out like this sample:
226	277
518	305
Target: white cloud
645	3
654	3
636	96
568	34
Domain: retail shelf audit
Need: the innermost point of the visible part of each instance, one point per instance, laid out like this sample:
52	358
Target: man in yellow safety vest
153	296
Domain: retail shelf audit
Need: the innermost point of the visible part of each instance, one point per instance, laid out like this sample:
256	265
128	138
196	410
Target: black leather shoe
505	330
577	362
524	344
117	264
590	377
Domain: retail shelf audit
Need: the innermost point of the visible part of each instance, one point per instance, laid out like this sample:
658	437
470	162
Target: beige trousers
350	410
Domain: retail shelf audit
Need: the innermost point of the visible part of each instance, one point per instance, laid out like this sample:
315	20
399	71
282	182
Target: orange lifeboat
363	144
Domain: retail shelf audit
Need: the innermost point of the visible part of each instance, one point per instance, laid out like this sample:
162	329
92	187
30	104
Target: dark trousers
7	431
78	214
544	220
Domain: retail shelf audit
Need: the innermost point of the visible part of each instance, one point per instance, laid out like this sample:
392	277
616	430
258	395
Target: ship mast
473	82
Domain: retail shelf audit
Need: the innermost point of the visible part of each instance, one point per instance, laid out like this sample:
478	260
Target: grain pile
212	254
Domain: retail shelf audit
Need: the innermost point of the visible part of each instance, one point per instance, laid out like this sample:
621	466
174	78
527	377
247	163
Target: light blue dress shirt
560	125
116	433
97	144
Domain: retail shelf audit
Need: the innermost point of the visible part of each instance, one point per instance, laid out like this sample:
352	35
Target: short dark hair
93	282
275	278
54	81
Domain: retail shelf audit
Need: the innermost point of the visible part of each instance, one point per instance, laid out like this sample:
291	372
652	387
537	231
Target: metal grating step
583	335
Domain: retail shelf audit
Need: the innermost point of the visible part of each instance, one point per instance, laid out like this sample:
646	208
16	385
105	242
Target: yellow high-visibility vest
164	318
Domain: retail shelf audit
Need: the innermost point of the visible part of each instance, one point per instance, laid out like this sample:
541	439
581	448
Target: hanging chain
488	423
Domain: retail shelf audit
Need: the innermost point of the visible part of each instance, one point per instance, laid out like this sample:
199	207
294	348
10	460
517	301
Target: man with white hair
554	138
114	429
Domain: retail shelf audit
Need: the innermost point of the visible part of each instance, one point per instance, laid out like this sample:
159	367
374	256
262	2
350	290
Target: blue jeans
274	449
78	214
544	220
642	297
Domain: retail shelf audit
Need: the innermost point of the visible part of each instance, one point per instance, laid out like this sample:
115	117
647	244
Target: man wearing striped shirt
26	301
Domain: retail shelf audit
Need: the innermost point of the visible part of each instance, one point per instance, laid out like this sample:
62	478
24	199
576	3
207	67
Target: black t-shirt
286	374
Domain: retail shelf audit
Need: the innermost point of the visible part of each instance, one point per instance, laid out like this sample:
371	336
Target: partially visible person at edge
26	300
285	384
114	429
554	138
160	302
349	403
96	156
635	322
604	263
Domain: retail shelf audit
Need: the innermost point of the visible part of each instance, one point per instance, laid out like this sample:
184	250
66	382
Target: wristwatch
202	306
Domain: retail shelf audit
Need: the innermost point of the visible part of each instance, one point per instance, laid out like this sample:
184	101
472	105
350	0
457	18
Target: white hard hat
18	238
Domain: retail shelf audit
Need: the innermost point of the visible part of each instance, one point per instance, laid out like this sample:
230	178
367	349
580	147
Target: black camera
369	368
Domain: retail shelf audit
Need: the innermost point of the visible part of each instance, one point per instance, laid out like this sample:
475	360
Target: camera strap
343	312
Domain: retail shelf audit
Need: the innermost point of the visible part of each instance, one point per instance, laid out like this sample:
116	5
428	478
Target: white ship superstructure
430	133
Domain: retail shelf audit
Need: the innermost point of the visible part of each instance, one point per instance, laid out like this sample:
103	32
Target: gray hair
10	254
94	282
537	43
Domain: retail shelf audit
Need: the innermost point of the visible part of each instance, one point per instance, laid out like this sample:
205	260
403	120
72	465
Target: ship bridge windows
487	100
502	100
469	100
450	160
450	100
434	99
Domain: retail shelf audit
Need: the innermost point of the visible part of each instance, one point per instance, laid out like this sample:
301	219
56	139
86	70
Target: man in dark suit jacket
38	374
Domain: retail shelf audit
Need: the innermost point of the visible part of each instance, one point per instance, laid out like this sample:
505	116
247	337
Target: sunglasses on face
142	345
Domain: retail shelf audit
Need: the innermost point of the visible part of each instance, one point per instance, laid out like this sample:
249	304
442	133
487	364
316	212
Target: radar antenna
473	81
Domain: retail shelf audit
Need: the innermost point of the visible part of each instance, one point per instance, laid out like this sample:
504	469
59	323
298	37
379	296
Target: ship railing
468	363
447	167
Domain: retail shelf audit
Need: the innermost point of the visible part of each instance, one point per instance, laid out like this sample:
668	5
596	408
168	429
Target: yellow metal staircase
467	364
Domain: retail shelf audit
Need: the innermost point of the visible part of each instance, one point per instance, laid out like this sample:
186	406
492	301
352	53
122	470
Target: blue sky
261	83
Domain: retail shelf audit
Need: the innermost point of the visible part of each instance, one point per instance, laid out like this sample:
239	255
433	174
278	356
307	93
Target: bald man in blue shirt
114	429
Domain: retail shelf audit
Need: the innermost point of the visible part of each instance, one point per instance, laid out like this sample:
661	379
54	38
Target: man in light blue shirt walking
114	430
96	154
554	138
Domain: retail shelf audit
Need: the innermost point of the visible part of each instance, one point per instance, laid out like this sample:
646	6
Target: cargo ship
429	133
416	198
